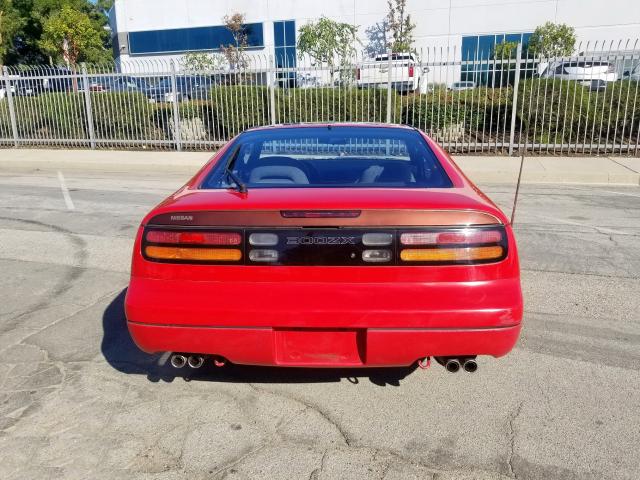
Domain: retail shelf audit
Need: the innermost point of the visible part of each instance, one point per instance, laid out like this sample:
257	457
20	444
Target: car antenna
228	170
515	197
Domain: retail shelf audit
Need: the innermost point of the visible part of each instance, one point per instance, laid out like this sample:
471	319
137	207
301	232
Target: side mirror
426	69
626	73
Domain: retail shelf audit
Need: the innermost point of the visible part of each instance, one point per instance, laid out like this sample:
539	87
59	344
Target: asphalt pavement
78	400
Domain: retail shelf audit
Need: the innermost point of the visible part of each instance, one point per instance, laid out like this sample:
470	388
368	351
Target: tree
28	18
202	61
10	23
235	52
376	38
553	40
505	50
71	36
399	26
328	42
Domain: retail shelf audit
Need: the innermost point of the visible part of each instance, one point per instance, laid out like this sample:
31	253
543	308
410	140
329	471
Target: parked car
463	85
188	87
326	245
308	80
406	74
118	83
582	71
633	74
3	91
45	80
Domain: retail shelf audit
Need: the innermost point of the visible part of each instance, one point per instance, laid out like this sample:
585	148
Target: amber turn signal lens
451	254
204	254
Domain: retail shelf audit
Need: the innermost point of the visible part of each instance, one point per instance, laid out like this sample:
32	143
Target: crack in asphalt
315	474
512	439
266	443
311	406
64	283
24	340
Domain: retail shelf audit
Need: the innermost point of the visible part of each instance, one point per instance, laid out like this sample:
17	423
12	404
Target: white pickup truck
406	73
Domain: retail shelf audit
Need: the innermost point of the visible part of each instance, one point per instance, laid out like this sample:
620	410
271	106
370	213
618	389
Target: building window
190	39
479	64
284	40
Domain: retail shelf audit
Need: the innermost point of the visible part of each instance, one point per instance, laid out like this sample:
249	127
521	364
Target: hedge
562	111
237	107
475	109
555	111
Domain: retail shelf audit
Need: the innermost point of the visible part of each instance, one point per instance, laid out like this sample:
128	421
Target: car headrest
278	174
388	174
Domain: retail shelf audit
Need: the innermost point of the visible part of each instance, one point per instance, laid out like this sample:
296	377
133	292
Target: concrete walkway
481	169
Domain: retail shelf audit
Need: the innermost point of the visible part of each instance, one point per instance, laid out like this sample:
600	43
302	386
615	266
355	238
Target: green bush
471	110
52	115
237	107
123	116
335	105
564	111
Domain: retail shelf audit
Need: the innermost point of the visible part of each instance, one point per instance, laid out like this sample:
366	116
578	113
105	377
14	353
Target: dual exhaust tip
453	365
179	360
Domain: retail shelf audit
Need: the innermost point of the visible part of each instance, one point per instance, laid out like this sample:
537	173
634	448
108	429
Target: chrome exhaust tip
178	360
452	365
470	365
195	361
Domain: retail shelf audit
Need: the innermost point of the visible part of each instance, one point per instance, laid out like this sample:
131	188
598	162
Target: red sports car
326	245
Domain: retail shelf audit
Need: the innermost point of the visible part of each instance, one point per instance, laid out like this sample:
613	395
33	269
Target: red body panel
327	316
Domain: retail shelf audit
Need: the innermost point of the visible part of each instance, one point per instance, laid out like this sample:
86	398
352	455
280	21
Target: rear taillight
325	246
410	71
357	74
192	246
467	236
453	246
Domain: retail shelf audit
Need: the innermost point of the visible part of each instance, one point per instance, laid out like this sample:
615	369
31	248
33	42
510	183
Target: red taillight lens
410	71
194	238
454	246
357	73
449	238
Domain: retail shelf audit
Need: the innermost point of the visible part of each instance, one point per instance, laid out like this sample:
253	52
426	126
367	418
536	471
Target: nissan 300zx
326	245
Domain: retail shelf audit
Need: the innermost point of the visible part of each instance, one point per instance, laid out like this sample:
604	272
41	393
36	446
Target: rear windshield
329	157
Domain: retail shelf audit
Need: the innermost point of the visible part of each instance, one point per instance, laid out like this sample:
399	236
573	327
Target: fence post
389	86
514	108
272	89
12	110
88	106
176	108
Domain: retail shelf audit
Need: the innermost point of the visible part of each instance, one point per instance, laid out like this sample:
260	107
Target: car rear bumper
402	86
372	347
325	324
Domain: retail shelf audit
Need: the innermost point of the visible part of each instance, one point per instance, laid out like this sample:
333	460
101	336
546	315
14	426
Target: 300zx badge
321	240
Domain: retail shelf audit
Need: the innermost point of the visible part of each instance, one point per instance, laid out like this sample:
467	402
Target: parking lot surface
78	400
